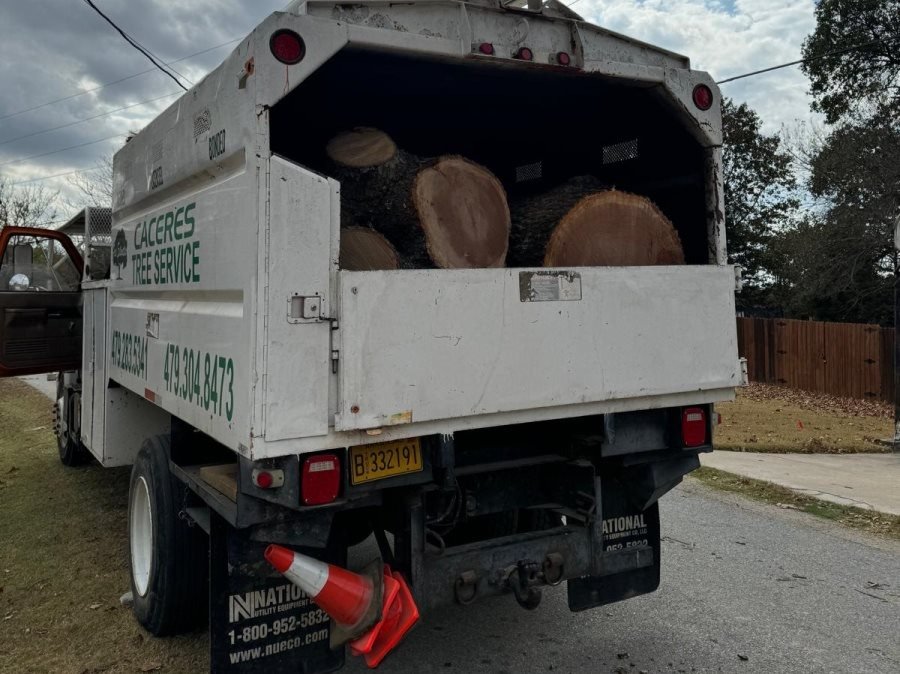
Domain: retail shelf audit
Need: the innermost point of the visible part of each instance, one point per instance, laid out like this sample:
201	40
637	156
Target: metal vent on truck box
619	152
527	172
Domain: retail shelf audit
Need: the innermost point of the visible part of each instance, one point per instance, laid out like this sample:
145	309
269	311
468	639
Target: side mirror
19	282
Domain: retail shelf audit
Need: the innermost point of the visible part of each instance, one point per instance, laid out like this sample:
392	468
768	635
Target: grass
753	424
63	553
759	490
63	559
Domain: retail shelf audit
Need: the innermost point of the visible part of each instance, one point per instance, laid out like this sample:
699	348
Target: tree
852	58
94	187
29	206
759	197
841	265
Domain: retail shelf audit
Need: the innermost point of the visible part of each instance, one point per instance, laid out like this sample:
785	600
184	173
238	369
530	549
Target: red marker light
563	59
703	97
287	46
525	54
486	48
267	478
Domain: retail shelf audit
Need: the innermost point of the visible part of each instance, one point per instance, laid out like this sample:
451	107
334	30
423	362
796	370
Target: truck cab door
40	302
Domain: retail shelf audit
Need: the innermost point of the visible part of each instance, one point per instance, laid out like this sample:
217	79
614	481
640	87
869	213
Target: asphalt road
746	588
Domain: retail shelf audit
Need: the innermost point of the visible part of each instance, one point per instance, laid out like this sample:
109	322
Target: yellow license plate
385	459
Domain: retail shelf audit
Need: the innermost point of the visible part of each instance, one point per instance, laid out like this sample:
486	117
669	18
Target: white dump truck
498	428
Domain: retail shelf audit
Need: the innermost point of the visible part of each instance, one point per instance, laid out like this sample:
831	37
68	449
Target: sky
60	49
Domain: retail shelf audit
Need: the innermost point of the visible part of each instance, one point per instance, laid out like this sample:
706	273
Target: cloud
726	38
61	47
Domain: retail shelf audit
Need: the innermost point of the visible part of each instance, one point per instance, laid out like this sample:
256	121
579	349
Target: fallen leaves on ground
821	402
765	418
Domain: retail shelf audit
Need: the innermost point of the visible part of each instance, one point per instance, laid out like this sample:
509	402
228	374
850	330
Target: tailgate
425	345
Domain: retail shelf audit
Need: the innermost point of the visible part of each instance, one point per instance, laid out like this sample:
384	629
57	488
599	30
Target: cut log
535	215
615	229
364	249
463	211
447	212
361	147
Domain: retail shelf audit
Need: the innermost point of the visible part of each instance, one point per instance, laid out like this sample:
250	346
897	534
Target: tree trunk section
534	216
447	212
364	249
463	211
361	147
614	229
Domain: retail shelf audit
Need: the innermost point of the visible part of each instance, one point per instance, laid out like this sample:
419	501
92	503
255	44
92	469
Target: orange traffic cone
399	614
349	598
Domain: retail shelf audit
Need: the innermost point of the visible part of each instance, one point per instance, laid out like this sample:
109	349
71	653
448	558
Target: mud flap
258	621
628	561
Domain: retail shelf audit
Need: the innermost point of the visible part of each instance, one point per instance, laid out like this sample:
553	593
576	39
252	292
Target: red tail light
287	46
486	48
525	54
320	479
703	97
563	59
693	426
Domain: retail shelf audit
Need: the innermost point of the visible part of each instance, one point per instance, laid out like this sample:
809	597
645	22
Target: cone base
340	633
400	615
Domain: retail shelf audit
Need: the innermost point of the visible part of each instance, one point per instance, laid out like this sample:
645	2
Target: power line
86	119
49	222
55	175
122	79
71	147
803	60
134	43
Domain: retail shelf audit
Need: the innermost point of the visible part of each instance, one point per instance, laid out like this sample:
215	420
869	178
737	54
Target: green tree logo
120	253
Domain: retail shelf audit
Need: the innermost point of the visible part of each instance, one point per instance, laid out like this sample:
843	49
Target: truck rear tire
168	559
71	451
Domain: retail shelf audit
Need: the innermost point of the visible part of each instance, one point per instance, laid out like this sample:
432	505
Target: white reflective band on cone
309	574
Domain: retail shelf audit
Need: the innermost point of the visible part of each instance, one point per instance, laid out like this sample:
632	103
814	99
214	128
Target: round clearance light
525	54
287	46
486	48
563	59
703	97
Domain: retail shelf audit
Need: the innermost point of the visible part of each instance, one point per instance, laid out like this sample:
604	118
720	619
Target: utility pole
896	444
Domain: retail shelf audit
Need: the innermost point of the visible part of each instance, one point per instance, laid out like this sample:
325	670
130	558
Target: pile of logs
399	210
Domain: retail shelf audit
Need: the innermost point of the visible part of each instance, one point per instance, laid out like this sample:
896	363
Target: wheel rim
140	533
58	414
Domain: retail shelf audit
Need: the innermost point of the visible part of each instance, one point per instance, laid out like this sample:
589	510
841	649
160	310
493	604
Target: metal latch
305	308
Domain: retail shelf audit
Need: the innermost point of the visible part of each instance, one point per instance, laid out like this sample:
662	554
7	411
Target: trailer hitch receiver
524	579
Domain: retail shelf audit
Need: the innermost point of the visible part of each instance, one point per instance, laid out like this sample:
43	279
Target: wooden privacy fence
852	360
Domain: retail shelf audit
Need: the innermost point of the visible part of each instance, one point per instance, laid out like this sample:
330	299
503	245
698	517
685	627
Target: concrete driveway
869	481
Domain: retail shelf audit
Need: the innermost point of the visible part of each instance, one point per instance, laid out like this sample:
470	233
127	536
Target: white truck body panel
432	345
103	409
229	271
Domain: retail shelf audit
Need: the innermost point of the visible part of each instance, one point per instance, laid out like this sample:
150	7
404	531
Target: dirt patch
63	558
775	419
865	520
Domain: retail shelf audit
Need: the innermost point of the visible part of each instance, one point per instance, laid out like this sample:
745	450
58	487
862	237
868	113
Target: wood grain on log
614	229
463	211
361	147
535	215
364	249
447	212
